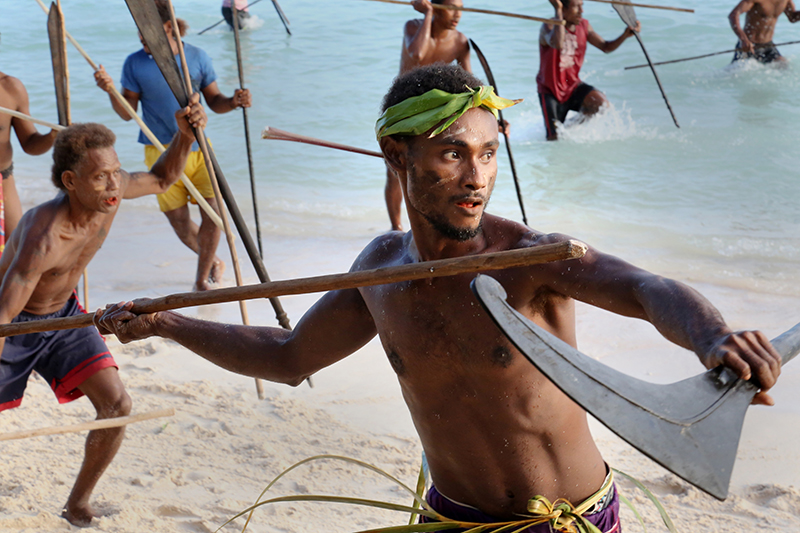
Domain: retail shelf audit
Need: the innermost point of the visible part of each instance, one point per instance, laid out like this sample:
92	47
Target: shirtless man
142	82
433	39
495	431
14	96
561	53
755	41
41	267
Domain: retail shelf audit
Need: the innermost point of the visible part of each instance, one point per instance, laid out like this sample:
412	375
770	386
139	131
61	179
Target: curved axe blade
691	427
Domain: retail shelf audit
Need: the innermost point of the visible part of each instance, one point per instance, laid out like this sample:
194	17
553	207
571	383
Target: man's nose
476	176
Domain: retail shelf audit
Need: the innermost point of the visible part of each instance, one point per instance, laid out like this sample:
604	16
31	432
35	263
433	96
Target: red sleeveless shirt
559	69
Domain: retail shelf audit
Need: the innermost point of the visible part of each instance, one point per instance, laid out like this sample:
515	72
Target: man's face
574	12
447	18
97	180
450	177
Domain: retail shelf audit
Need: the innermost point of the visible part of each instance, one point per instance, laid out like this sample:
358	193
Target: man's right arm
105	82
742	7
553	35
336	326
31	141
417	42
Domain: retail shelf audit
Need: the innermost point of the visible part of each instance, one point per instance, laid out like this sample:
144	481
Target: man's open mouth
111	201
470	203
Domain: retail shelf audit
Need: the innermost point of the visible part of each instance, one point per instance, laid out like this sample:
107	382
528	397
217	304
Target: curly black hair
448	78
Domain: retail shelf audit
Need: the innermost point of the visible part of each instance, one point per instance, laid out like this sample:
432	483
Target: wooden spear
280	135
87	426
29	118
562	251
474	10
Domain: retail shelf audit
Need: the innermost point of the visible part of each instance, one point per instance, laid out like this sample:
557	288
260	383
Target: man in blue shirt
143	82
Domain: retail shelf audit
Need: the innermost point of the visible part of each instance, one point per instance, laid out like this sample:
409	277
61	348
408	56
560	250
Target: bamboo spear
149	134
87	426
247	130
280	135
562	251
700	56
29	118
203	142
668	8
474	10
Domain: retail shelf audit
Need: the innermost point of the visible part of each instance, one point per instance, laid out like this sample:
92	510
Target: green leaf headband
418	114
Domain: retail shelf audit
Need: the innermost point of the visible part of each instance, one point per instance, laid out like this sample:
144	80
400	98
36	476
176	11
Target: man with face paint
40	269
433	39
495	431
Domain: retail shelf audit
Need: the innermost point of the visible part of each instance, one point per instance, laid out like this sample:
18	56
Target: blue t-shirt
140	74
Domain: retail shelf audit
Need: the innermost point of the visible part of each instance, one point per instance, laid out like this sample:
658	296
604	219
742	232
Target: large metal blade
691	427
58	54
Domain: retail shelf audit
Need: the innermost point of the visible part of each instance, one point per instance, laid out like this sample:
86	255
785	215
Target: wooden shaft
483	11
699	57
280	135
562	251
29	118
204	205
281	15
87	426
203	142
650	6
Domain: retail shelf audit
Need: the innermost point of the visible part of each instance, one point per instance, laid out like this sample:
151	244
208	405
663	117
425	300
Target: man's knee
115	406
593	102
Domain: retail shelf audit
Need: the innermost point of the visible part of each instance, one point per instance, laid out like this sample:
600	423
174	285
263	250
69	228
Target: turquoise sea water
713	202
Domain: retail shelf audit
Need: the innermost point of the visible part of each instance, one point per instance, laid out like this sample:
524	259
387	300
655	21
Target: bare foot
217	269
80	516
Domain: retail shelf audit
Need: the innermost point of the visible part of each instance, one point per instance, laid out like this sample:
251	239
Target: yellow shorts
177	195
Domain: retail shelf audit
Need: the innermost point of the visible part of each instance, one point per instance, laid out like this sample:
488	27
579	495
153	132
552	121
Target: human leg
11	204
587	100
550	114
107	393
394	199
181	221
209	266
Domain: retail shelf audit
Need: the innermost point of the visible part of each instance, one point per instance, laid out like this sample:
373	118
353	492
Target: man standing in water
433	39
755	41
143	82
41	267
496	432
561	53
14	96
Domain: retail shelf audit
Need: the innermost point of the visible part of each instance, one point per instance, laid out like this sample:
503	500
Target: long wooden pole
700	57
253	192
570	249
474	10
650	6
281	15
149	134
203	142
280	135
87	426
29	118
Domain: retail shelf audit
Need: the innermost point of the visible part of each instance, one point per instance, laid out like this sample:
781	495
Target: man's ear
394	152
68	179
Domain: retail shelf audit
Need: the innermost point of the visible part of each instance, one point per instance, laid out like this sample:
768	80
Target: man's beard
452	232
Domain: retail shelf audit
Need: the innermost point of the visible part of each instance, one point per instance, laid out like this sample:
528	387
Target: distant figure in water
561	53
755	40
241	7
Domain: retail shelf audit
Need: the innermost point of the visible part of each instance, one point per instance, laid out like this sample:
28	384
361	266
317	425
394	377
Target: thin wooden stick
562	251
201	139
650	6
204	205
473	10
699	57
281	14
280	135
29	118
88	426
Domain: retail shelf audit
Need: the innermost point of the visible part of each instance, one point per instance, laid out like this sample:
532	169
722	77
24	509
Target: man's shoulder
11	85
384	250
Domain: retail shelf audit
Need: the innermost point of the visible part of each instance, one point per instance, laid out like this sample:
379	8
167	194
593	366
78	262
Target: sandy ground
193	471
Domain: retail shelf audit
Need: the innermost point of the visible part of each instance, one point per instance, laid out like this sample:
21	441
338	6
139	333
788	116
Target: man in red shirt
561	52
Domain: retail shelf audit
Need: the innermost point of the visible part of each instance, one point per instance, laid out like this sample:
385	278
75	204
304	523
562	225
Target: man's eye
451	155
487	157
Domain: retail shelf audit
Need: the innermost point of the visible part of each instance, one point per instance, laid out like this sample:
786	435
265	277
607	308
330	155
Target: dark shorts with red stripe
605	516
65	359
553	110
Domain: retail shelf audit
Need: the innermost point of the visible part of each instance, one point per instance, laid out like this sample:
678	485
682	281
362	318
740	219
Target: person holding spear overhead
41	267
496	432
14	96
755	40
143	82
561	53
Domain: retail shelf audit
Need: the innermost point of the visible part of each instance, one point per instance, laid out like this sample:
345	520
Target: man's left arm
609	46
792	14
219	103
169	167
678	312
